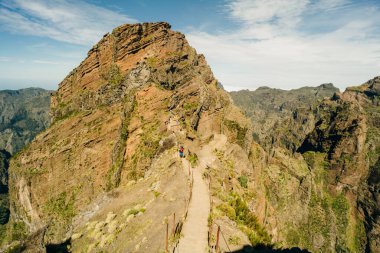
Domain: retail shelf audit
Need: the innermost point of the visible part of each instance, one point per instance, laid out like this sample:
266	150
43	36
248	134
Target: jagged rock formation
332	188
280	117
106	173
23	114
117	120
348	133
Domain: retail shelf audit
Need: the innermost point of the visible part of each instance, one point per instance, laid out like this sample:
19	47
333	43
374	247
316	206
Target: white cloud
70	21
270	48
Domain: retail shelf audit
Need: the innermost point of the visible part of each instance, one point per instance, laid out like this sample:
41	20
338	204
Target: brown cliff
109	157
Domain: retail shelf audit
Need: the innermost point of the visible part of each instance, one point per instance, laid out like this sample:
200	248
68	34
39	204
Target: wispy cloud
4	59
70	21
46	62
287	44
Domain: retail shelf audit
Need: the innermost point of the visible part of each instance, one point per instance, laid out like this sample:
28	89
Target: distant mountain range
23	114
282	116
274	170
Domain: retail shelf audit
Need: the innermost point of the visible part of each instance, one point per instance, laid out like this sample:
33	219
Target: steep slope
107	167
106	176
326	199
282	117
348	134
23	114
4	206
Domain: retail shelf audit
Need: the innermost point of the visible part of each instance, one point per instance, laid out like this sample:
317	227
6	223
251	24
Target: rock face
349	134
23	114
108	166
332	189
106	174
280	117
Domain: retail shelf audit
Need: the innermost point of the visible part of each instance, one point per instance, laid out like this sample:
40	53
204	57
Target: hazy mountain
282	117
23	114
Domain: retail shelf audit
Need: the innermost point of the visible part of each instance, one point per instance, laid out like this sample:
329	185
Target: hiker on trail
181	150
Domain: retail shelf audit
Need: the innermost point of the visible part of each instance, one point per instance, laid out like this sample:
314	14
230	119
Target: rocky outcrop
116	117
332	188
349	133
106	173
282	118
23	114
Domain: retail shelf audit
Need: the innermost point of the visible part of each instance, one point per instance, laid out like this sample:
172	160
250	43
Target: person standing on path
181	152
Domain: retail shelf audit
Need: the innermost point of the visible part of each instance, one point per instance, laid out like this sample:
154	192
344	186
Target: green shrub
234	240
146	150
243	180
136	211
18	231
190	106
228	210
340	207
61	206
240	131
152	62
133	211
114	76
248	222
193	159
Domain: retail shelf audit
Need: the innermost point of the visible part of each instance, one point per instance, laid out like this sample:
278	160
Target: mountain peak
117	121
150	49
327	86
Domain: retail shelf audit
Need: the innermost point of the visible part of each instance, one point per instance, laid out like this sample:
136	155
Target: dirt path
195	229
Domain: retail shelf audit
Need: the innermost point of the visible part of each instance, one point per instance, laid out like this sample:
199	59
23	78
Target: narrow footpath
195	229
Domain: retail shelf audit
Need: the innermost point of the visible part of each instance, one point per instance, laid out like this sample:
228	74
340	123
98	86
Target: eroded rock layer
106	174
101	171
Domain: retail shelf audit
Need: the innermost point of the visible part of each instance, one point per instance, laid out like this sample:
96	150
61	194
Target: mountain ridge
143	91
117	120
23	114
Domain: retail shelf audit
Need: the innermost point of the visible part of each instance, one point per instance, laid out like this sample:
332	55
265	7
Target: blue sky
248	43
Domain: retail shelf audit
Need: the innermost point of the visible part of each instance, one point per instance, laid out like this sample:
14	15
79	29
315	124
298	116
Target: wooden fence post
210	236
167	237
217	240
173	228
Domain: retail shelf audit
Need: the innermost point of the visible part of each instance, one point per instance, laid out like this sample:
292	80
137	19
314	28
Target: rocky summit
299	174
106	173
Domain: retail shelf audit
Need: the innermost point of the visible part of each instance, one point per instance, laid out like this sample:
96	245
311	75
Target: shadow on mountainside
262	249
59	248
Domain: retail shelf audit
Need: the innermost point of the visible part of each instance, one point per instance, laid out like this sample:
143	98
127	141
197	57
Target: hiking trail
195	229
